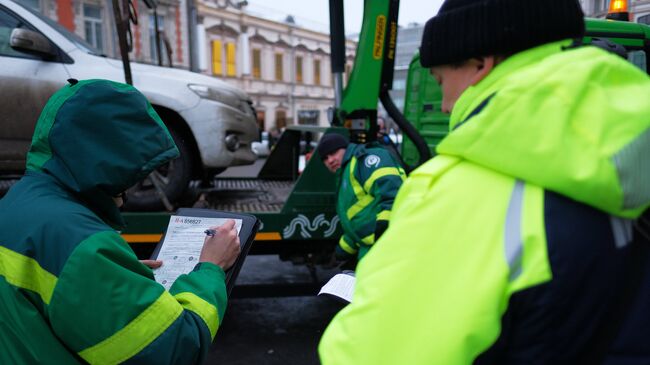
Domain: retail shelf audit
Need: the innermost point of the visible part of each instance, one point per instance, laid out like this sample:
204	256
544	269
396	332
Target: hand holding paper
204	235
223	247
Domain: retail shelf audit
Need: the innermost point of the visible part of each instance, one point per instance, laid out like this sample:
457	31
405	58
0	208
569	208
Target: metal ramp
246	195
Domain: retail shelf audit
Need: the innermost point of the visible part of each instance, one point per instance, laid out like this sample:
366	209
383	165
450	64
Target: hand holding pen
221	245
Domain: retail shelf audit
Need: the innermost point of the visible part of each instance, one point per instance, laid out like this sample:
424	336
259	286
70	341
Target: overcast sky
314	14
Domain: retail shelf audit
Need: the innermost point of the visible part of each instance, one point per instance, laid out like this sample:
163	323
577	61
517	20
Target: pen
210	232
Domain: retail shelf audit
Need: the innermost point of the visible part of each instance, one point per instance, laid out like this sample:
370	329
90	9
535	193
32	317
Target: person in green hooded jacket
512	245
368	180
72	290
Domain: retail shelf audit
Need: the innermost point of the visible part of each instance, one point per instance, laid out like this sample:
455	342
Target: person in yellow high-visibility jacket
511	245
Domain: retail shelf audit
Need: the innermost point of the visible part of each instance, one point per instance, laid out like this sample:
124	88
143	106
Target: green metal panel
362	90
422	108
630	29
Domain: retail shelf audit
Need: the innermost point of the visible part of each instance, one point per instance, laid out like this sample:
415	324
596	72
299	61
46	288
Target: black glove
380	227
341	255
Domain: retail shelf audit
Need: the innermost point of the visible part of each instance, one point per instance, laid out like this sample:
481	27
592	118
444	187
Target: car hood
147	72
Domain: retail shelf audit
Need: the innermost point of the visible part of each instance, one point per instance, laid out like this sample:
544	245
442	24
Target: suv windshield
72	37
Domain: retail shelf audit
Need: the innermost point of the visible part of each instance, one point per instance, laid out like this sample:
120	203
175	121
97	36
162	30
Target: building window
231	56
257	64
299	70
316	72
308	117
153	47
92	17
217	65
278	67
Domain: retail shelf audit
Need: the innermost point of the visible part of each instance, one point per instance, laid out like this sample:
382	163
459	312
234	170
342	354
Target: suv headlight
222	96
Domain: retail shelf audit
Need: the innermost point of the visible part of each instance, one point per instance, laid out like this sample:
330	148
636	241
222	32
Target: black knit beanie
464	29
330	143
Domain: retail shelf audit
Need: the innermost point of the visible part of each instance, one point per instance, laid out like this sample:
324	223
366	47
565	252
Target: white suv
212	122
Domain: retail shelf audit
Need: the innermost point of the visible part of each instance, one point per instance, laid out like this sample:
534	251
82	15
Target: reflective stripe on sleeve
346	246
356	186
379	173
202	308
369	239
136	335
26	273
512	234
622	229
359	205
384	215
363	199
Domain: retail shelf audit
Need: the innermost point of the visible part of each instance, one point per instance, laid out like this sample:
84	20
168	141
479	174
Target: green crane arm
372	75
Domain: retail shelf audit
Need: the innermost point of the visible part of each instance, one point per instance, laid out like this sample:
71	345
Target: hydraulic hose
406	127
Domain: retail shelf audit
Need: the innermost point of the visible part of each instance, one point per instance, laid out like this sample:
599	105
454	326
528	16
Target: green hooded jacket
369	179
519	224
72	289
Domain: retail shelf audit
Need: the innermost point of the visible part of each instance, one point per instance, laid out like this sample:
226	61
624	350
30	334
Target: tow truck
297	210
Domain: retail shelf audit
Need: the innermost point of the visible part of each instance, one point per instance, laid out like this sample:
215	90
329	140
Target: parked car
212	123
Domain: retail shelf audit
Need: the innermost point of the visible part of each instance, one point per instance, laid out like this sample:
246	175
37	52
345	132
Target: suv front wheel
170	180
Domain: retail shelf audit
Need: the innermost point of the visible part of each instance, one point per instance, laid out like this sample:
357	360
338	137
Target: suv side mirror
30	41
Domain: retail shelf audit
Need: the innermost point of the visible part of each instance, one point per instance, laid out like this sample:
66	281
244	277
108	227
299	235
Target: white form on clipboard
181	246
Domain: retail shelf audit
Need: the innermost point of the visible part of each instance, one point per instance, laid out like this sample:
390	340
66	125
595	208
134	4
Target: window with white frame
257	63
92	17
316	72
279	67
152	36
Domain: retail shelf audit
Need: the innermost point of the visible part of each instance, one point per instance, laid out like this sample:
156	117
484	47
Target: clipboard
249	226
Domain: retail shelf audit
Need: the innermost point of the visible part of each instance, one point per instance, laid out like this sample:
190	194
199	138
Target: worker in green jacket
512	245
72	290
368	180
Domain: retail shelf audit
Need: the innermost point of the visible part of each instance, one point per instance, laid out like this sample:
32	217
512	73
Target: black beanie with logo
464	29
330	143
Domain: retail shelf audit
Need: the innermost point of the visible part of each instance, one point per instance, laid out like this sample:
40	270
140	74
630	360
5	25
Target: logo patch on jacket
372	160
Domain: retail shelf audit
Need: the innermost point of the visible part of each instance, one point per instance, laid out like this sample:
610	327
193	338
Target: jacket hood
97	138
575	122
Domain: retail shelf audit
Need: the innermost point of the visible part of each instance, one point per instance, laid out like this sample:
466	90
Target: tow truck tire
174	175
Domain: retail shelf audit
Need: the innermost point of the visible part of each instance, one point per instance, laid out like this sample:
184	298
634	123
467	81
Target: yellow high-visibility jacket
509	246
